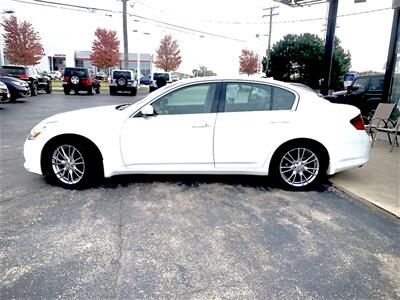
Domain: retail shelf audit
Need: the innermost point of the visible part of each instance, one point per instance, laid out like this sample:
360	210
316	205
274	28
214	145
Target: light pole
125	32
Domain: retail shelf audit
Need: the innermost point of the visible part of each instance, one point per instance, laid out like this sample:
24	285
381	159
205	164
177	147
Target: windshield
68	72
118	74
161	75
12	70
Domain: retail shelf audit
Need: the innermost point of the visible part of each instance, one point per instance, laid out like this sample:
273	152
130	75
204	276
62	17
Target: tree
21	42
248	61
105	48
168	54
299	58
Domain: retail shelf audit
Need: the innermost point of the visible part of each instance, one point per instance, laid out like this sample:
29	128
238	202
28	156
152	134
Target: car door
356	96
250	117
180	134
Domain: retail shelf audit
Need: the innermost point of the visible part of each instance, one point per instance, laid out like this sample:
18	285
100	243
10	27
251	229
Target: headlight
2	85
39	129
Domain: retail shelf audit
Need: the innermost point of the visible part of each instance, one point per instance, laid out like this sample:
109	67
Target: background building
137	62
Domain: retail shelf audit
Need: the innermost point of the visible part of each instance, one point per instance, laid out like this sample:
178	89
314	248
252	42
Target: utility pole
125	32
329	46
271	14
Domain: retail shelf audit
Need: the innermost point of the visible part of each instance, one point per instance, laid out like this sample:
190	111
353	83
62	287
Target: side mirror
147	111
352	88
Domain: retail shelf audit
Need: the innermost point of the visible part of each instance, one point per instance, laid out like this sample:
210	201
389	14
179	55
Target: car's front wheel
49	87
34	89
69	164
299	167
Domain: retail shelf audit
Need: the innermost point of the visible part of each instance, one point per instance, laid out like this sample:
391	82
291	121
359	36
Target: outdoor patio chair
394	131
380	118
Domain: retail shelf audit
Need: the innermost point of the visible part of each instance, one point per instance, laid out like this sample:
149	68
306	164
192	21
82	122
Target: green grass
57	86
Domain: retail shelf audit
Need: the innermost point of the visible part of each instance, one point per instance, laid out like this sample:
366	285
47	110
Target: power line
95	10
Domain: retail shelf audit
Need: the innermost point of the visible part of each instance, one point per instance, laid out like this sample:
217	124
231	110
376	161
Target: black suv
122	81
80	79
35	77
365	92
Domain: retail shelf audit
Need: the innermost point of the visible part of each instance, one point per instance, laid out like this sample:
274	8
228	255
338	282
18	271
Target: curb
365	201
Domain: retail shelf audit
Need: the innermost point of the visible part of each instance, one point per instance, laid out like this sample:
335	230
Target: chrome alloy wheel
68	164
299	167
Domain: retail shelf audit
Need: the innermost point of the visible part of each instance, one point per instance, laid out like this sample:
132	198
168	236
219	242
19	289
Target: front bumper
32	155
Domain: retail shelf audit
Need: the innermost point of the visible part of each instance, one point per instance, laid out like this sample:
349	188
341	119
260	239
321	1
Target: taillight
23	76
358	123
65	79
85	81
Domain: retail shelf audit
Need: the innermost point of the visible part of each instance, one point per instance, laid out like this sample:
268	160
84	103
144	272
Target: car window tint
376	84
361	83
282	99
74	72
247	97
118	74
189	100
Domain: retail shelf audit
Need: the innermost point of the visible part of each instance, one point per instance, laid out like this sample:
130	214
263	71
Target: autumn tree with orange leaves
248	62
105	48
21	42
168	54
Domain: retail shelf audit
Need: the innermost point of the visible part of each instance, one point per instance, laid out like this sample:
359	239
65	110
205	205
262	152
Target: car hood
87	117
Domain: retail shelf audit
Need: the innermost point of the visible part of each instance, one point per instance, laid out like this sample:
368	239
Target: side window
247	97
376	84
362	83
195	99
282	99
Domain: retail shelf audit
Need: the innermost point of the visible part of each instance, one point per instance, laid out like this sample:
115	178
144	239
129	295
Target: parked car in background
159	79
80	79
123	81
145	80
4	92
101	76
55	75
17	88
35	77
266	127
365	92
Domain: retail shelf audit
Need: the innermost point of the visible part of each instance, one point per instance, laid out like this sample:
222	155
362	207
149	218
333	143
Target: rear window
118	74
160	75
12	70
68	72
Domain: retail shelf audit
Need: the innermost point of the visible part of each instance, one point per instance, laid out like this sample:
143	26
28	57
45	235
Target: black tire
80	173
134	92
49	88
112	91
67	91
34	89
91	90
97	90
299	171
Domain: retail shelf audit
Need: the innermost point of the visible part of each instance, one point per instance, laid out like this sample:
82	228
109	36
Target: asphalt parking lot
201	237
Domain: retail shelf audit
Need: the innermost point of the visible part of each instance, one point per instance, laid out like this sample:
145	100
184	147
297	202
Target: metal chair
395	130
380	118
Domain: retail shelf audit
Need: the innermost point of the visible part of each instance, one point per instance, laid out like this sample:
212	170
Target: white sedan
204	126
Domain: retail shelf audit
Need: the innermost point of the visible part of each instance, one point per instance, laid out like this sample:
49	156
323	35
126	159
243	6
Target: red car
80	79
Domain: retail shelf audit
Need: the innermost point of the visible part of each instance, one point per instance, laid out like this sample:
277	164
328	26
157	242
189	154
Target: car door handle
201	126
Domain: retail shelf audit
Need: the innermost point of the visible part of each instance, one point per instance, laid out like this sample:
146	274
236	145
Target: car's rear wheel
299	167
69	164
49	88
134	92
112	91
91	90
98	89
67	91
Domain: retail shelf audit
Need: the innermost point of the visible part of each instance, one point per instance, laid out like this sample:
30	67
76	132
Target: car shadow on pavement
258	182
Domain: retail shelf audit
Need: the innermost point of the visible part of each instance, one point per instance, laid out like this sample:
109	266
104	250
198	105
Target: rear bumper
349	155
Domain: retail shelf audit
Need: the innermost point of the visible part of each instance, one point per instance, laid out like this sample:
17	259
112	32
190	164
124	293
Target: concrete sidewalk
378	181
